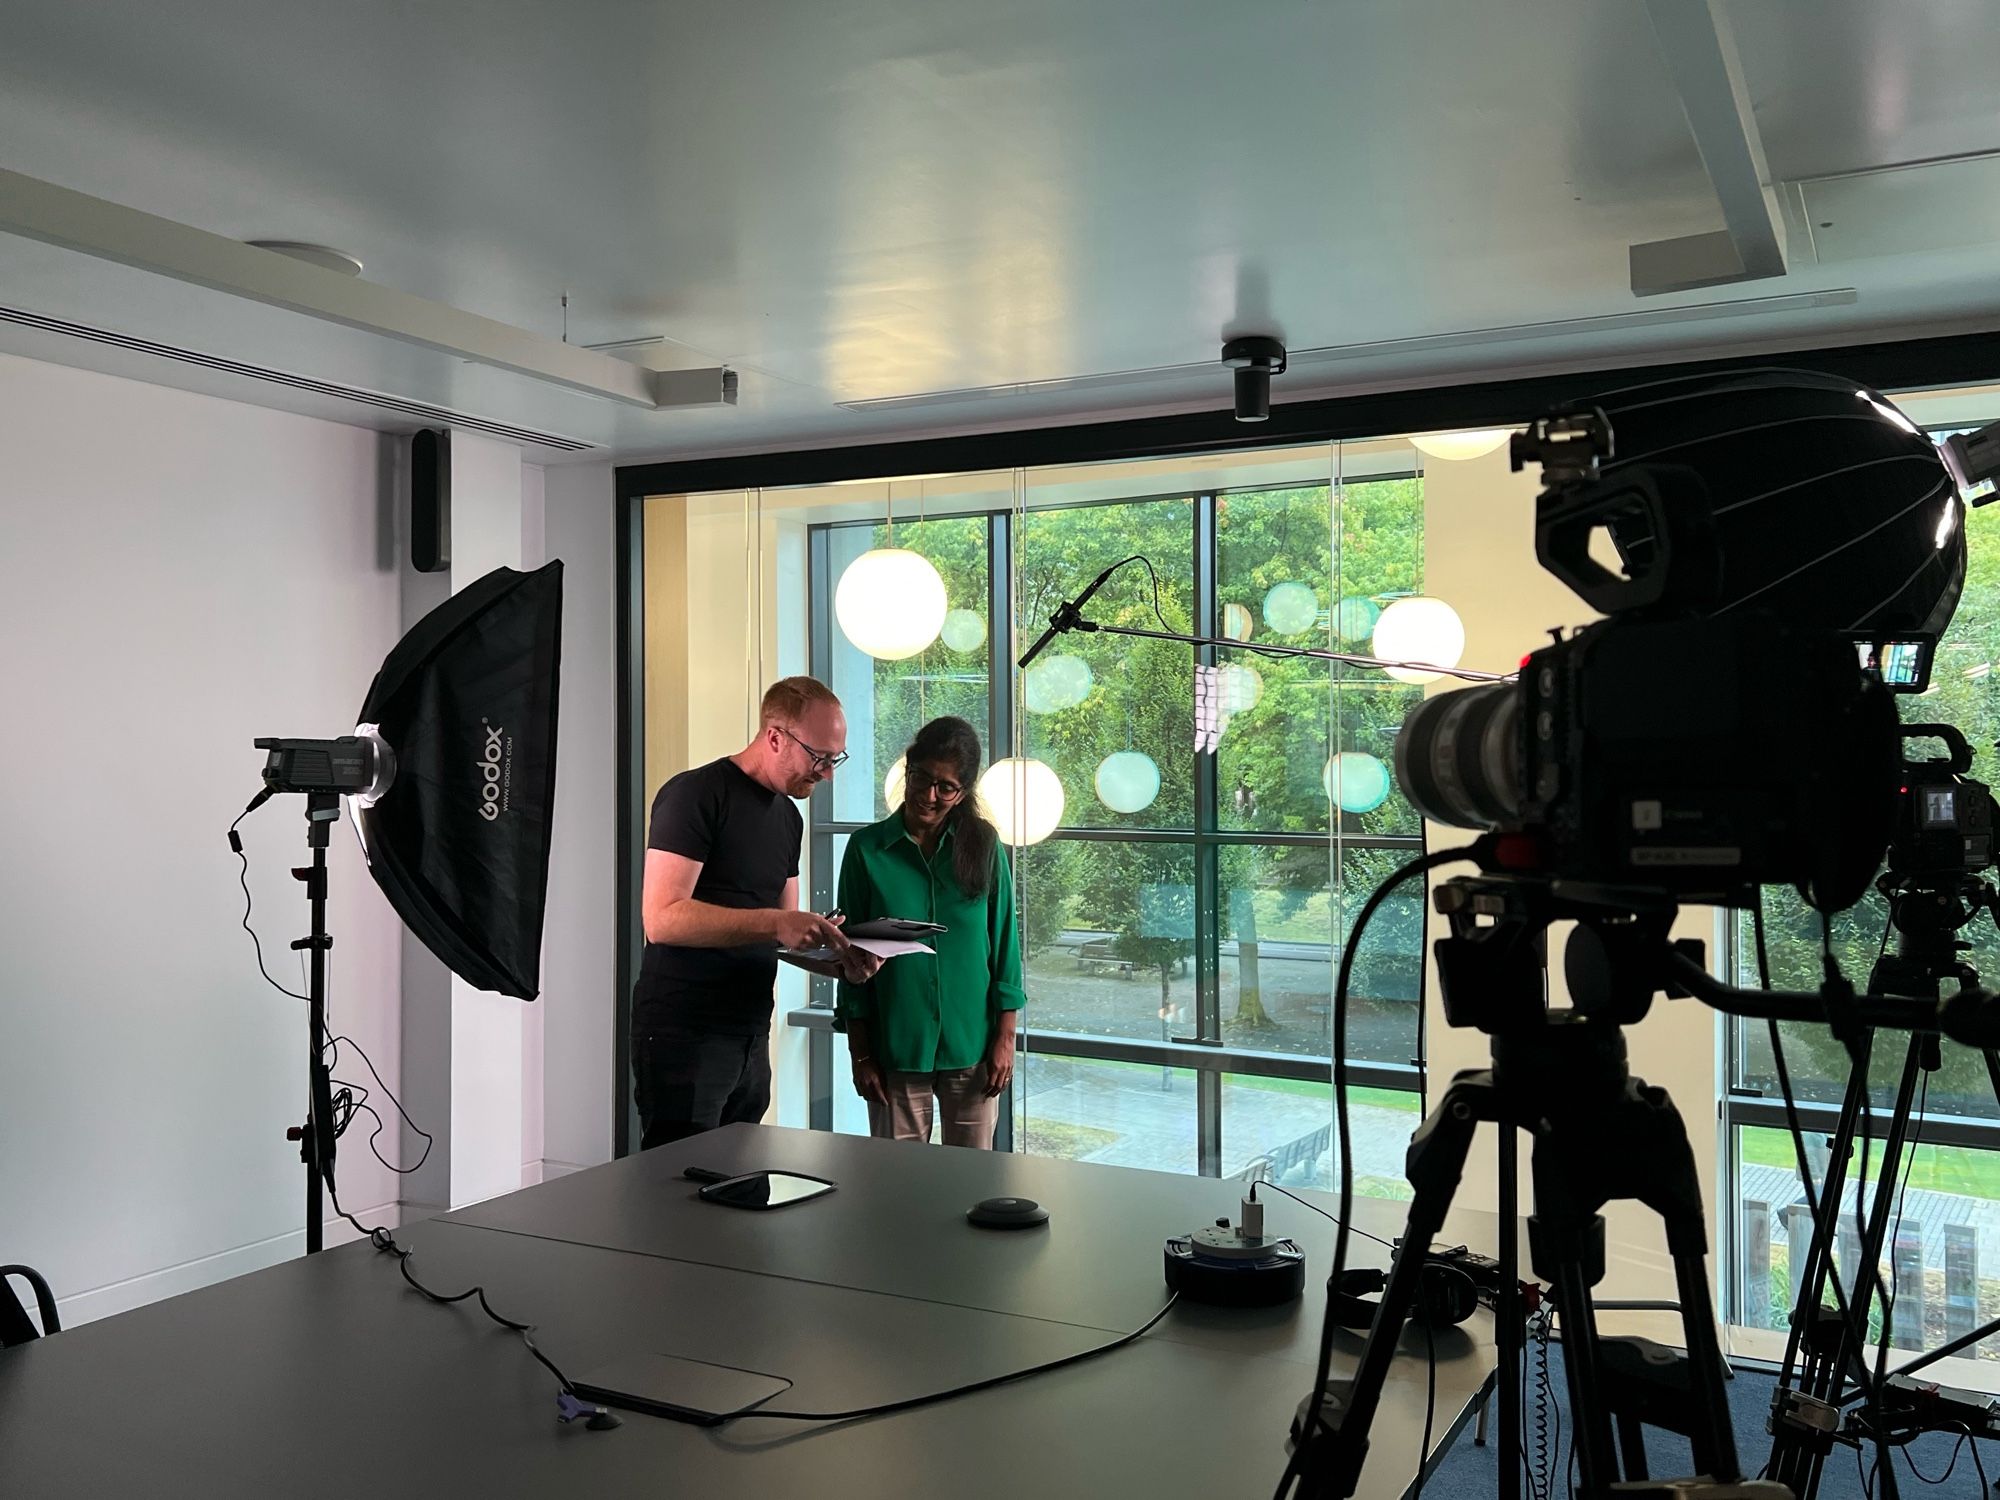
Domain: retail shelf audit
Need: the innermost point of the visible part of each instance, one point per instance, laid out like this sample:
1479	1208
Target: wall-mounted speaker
430	500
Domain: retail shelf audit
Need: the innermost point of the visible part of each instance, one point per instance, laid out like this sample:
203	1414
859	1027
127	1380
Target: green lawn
1937	1169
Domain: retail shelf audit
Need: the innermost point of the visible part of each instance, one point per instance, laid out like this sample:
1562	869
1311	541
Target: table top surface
327	1375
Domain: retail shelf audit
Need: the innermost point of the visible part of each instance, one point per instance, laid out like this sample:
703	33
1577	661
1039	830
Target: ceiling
847	200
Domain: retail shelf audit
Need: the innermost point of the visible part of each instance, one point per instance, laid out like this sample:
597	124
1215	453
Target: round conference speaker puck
1228	1269
1007	1213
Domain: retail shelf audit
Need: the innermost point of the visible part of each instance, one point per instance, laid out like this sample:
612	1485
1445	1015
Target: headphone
1447	1294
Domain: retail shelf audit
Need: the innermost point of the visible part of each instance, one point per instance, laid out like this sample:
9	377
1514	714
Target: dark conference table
327	1376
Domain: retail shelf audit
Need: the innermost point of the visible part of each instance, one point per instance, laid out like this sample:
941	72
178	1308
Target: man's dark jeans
687	1080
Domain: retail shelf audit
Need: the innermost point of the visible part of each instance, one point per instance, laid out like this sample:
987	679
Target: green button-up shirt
930	1013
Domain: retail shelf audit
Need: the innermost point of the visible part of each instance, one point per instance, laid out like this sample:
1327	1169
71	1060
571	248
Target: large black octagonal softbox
459	842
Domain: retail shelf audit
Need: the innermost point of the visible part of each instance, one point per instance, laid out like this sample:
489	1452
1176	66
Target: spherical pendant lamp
1128	781
890	603
1356	782
1454	447
1291	609
1023	797
1355	617
964	631
1419	628
1055	683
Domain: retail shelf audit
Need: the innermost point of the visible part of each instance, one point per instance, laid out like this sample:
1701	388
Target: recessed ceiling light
324	256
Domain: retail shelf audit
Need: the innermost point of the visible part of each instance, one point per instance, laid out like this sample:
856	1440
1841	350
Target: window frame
1205	1052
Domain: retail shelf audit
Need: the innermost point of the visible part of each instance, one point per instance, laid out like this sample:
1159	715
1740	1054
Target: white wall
1479	555
578	1008
178	575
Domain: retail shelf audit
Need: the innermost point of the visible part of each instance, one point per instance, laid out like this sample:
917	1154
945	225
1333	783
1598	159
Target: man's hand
808	929
869	1082
999	1064
858	965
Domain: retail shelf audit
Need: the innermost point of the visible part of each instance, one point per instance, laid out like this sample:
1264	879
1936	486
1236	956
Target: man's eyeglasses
822	760
919	783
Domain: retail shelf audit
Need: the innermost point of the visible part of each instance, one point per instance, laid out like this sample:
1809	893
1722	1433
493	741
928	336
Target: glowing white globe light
1419	628
1355	617
964	631
892	784
890	603
1055	683
1456	446
1291	609
1237	622
1023	798
1355	782
1128	781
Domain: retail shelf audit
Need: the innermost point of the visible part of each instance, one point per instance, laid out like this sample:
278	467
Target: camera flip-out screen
1905	665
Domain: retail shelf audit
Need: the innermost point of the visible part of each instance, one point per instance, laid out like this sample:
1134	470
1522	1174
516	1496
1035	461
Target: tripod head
1928	912
1490	968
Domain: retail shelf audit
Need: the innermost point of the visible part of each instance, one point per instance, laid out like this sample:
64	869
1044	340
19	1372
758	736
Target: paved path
1154	1126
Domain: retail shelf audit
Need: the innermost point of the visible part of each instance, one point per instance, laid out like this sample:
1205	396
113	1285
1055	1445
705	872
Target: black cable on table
910	1403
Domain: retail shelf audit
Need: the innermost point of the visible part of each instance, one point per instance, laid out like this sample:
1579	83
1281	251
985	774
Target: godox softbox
452	774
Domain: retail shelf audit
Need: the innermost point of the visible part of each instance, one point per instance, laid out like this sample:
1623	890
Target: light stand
1823	1346
316	1135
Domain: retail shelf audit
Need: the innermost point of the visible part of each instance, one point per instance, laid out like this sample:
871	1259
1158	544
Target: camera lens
1458	757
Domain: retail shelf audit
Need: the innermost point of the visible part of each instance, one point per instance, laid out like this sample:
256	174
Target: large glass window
1942	1260
1182	927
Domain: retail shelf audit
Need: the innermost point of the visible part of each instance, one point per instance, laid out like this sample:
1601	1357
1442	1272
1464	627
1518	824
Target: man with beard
721	896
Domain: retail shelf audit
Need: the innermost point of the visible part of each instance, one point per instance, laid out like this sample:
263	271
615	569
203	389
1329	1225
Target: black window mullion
1207	922
1000	715
1207	944
819	644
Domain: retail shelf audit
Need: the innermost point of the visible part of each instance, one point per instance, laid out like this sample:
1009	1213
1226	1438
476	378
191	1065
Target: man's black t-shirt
747	839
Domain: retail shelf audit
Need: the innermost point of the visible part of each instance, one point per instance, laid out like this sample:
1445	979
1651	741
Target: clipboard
892	927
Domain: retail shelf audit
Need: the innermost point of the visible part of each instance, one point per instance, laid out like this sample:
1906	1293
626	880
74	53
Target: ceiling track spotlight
1255	359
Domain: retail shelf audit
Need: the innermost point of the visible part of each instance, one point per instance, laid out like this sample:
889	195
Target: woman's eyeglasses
919	784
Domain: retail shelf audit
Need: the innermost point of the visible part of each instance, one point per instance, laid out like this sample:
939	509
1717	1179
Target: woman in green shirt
935	1026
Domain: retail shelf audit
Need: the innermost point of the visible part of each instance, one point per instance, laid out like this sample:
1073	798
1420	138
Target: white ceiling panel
855	199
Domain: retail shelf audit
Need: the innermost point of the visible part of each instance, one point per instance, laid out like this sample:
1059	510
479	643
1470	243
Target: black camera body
1653	754
1944	818
1683	748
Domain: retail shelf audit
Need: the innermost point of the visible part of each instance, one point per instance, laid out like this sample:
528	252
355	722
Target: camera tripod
1826	1357
1599	1135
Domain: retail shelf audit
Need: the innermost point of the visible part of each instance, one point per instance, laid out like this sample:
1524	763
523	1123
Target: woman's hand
858	966
869	1082
1000	1064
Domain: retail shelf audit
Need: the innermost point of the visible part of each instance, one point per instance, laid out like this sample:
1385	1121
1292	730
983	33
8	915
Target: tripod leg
1511	1335
1632	1447
1568	1248
1635	1146
1813	1359
1335	1452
